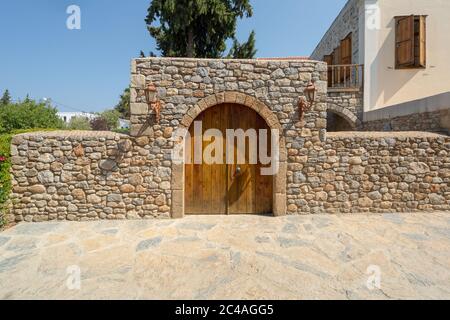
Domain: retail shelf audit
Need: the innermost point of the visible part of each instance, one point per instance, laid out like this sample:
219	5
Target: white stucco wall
385	86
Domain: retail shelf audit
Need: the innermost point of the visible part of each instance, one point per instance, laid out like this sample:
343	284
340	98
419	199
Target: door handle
238	172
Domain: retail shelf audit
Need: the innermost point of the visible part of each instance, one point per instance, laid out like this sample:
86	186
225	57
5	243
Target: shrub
79	123
123	107
106	121
5	178
27	115
122	130
112	118
99	124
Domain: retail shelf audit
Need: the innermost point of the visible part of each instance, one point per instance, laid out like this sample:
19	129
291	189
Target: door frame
279	179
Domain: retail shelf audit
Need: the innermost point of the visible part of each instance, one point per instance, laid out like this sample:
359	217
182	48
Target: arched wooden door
227	188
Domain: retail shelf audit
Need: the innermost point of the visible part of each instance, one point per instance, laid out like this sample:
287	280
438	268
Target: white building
124	124
395	55
67	116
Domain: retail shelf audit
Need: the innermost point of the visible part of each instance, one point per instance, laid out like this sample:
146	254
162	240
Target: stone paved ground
237	257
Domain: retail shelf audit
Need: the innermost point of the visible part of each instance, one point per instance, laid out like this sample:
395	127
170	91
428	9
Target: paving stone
215	257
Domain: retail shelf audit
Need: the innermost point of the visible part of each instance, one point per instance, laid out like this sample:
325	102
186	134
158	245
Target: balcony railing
346	76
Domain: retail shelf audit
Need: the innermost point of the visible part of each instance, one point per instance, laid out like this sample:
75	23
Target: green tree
246	50
79	123
28	114
99	124
123	107
111	117
197	28
6	98
142	54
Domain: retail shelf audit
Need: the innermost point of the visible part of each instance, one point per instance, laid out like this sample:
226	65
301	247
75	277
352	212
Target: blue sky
87	69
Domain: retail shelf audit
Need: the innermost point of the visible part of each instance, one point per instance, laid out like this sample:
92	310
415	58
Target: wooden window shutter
337	61
337	55
346	50
404	42
346	57
422	42
329	60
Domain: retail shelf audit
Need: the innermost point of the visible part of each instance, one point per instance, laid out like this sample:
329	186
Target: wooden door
227	188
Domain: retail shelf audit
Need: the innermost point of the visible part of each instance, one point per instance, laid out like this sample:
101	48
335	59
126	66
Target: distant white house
67	116
124	124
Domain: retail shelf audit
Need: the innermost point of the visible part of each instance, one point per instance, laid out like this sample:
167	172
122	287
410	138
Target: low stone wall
101	175
373	172
87	176
437	121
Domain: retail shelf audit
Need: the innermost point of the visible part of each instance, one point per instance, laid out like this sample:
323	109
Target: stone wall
100	175
72	175
374	172
436	121
347	21
89	176
272	88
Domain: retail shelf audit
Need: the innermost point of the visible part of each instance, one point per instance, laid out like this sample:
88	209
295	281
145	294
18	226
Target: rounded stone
46	158
107	165
125	145
329	176
164	208
299	177
386	205
365	202
135	179
355	160
142	141
78	151
436	199
321	196
163	172
376	195
418	168
37	189
357	169
78	194
31	173
56	166
160	200
168	132
45	177
94	199
127	188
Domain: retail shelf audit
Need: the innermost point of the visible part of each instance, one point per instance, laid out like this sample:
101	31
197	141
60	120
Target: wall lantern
152	100
307	101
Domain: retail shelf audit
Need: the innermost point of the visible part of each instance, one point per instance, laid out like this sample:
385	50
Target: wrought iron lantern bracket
152	100
307	101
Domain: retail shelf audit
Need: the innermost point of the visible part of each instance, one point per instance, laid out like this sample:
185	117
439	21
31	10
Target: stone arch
347	115
279	180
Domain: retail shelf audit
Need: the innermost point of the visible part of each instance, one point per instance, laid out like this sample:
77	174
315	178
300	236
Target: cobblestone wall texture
374	172
437	121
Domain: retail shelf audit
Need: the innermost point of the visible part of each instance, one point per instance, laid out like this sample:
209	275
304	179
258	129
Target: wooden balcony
346	77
